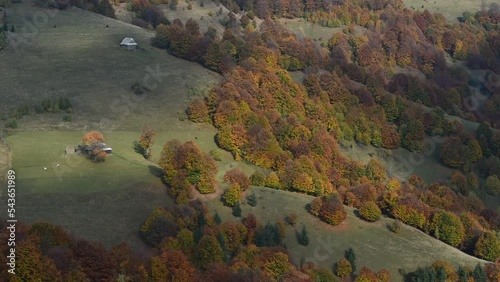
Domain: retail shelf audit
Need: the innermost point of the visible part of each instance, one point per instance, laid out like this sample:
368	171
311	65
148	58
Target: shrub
269	236
351	257
237	210
97	155
21	111
54	105
146	142
493	184
161	38
393	184
396	226
291	219
258	178
272	181
448	228
11	123
67	118
488	246
158	226
206	184
236	176
343	268
366	275
315	206
252	200
215	153
383	275
409	215
217	218
302	237
369	211
188	161
332	211
232	195
39	109
198	111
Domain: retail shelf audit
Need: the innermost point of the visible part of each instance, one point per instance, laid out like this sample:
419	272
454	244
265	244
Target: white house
129	43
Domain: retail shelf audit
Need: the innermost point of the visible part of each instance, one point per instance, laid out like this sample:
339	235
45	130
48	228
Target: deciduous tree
488	246
370	211
232	195
146	141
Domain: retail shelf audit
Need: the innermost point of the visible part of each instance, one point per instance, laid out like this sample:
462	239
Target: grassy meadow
374	244
75	55
451	10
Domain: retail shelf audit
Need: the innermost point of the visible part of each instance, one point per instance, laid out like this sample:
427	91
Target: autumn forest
389	77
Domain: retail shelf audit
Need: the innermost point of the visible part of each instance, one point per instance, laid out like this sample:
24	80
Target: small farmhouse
129	43
105	148
95	145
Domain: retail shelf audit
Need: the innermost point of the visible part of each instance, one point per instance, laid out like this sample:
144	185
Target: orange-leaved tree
188	166
92	146
92	137
146	141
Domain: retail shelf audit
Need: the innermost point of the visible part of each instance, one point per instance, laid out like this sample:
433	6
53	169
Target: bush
269	236
448	228
351	257
291	219
232	195
252	200
173	6
315	206
215	153
492	185
217	218
258	178
67	118
97	155
11	123
369	211
21	111
332	211
343	268
198	111
488	246
236	176
302	237
273	181
396	226
237	210
206	184
39	109
54	105
251	15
